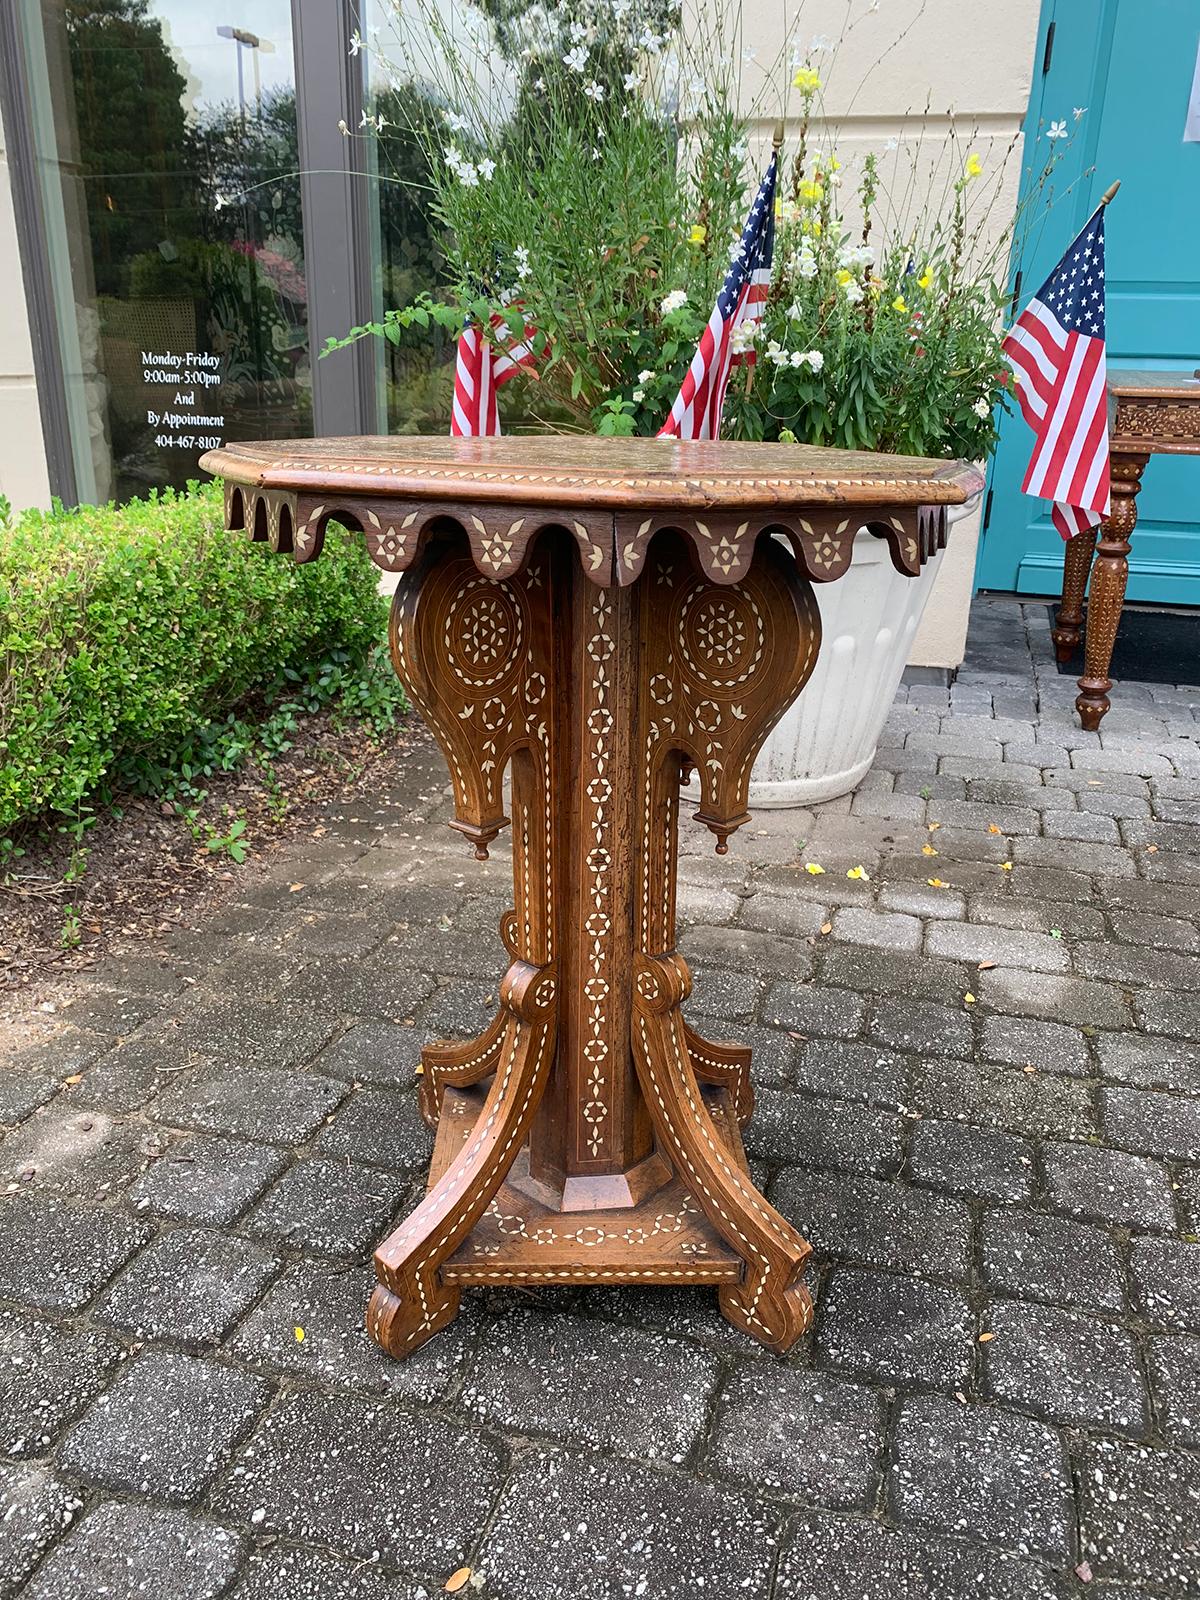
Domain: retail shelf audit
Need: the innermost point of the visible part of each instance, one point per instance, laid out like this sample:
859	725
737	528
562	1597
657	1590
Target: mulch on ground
146	871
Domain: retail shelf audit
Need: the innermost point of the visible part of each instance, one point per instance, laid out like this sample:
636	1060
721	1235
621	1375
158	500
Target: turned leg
1109	575
1077	564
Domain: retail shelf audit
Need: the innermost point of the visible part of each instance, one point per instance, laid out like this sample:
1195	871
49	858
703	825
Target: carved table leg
1077	564
1109	575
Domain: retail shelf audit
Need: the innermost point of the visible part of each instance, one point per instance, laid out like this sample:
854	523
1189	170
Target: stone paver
809	1435
123	1551
198	1154
363	1476
165	1427
982	1472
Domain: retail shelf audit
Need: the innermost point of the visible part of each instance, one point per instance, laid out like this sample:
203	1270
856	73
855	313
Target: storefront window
166	146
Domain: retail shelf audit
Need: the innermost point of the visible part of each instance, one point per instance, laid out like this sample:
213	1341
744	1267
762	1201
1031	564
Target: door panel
1130	63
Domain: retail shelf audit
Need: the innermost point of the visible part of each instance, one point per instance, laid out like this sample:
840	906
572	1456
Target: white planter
824	744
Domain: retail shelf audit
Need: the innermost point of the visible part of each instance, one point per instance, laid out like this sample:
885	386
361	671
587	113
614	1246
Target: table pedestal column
590	1135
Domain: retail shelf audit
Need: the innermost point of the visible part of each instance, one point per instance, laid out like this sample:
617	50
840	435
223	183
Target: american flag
483	367
1056	352
696	413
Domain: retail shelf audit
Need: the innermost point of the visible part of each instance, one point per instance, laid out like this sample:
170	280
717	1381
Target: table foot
770	1303
413	1300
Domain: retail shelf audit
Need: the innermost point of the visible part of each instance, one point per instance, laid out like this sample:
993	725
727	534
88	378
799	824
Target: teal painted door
1131	64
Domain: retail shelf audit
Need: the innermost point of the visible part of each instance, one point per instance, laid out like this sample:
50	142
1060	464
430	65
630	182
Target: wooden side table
1150	413
601	616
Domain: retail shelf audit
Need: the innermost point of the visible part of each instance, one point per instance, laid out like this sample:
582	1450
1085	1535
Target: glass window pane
167	156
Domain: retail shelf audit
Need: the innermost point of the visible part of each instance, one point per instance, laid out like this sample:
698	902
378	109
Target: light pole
250	41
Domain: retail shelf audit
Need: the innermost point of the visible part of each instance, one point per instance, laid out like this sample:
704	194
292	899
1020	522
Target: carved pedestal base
589	1135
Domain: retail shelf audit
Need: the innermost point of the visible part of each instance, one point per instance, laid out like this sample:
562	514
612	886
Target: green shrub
124	632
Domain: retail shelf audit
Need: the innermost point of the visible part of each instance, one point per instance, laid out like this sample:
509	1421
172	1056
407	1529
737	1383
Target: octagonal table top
584	470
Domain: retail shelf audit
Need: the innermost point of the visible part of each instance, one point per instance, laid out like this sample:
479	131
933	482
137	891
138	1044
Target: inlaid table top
588	471
613	495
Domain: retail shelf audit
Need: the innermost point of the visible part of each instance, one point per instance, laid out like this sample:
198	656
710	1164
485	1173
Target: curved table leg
1077	564
722	1062
771	1303
1109	575
458	1062
410	1303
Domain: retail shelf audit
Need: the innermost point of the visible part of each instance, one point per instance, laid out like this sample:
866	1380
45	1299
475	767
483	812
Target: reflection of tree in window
195	230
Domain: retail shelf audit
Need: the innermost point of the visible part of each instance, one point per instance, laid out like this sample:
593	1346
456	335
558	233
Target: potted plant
588	165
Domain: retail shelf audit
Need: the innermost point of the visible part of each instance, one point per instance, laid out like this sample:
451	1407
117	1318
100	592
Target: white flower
776	354
982	408
578	33
381	122
468	176
342	128
487	167
521	257
673	301
632	80
649	40
806	264
456	123
819	44
1079	112
815	360
853	291
1057	130
595	152
742	337
576	59
797	360
645	375
594	90
892	144
795	311
356	43
540	85
620	9
638	396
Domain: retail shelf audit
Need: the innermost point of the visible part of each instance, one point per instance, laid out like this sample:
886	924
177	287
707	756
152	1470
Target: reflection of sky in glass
401	38
210	63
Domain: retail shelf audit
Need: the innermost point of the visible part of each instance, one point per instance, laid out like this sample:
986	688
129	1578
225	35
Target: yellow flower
926	278
935	883
806	80
974	166
858	872
898	304
969	998
1006	866
928	850
811	191
814	868
299	1335
698	233
844	275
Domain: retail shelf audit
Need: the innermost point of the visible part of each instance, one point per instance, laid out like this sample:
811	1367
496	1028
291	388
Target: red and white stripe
482	367
1060	379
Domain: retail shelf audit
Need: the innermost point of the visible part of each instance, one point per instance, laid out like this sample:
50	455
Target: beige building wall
921	83
23	475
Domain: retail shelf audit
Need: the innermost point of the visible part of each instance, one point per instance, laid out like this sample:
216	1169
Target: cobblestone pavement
1001	1397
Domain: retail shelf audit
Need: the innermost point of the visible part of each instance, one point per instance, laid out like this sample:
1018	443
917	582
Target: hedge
125	629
